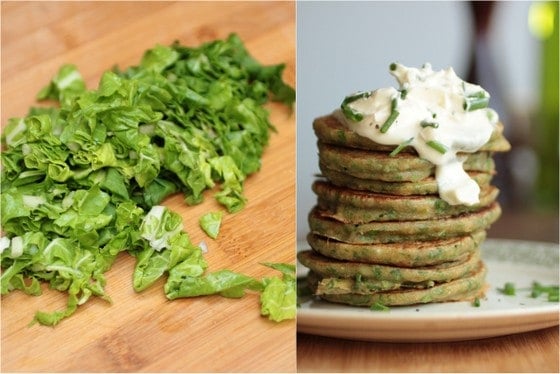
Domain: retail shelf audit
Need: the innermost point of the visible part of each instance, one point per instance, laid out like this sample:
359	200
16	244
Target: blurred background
509	48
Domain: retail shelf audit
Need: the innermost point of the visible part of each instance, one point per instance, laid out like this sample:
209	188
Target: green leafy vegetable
82	180
64	87
210	223
223	282
279	297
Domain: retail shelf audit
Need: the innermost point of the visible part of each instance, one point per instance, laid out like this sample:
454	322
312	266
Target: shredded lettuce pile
82	179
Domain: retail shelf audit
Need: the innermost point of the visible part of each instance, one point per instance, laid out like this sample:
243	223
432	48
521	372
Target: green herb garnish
350	113
440	147
392	117
424	124
400	147
476	302
535	291
403	94
477	100
551	292
508	289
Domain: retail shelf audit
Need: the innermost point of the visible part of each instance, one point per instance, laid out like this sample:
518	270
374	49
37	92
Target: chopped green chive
509	289
394	104
392	117
400	147
441	148
476	302
476	101
435	125
551	291
379	307
536	289
403	94
350	113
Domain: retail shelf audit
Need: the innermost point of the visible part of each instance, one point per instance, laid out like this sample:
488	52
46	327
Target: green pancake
362	286
330	130
398	231
427	186
399	168
330	268
353	206
461	289
406	254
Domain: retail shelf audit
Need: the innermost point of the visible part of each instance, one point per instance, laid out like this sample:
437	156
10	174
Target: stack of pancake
381	235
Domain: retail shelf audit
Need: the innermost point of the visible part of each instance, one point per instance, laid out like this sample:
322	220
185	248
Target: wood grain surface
533	352
144	332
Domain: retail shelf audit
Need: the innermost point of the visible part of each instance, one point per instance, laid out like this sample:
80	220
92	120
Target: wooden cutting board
142	332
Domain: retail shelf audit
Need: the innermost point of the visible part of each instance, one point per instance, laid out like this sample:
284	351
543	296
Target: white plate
520	262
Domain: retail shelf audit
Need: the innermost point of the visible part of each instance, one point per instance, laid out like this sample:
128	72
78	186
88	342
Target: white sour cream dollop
435	112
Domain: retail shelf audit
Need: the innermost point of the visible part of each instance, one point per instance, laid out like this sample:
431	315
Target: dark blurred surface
526	225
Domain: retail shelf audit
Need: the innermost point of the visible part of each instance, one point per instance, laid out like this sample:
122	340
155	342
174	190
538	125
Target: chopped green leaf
279	297
82	180
223	282
65	85
210	223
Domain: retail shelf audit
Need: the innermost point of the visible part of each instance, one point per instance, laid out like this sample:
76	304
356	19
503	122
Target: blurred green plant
543	23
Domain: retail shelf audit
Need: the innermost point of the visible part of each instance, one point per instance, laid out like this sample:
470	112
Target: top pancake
328	129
